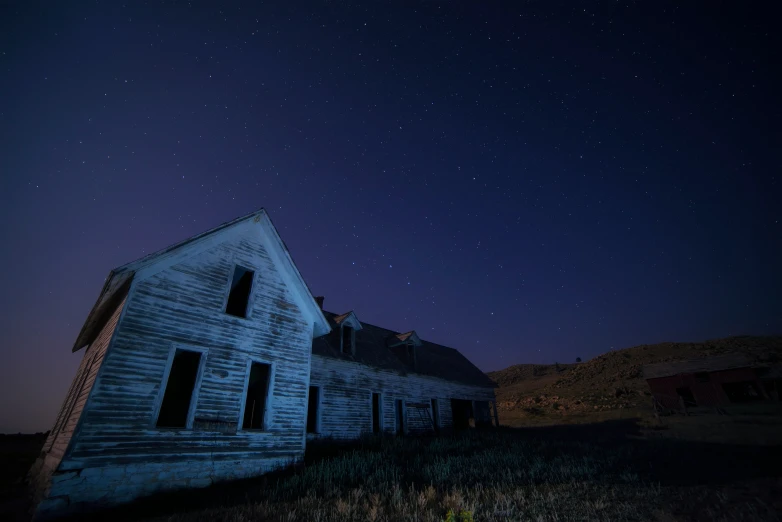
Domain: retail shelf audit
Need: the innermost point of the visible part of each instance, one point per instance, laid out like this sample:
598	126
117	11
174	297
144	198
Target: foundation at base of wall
80	491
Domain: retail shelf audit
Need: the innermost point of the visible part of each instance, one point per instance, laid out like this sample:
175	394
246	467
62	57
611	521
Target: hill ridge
612	380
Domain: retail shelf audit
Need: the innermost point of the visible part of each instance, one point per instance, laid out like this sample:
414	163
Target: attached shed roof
705	364
372	349
119	279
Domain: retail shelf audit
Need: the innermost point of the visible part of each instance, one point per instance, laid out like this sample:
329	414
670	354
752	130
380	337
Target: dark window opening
375	413
481	414
744	391
312	410
411	354
241	285
687	396
257	394
702	377
347	339
773	388
435	416
400	417
462	413
179	390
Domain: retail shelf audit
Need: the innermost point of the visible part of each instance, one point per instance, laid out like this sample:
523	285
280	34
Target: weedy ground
585	472
17	454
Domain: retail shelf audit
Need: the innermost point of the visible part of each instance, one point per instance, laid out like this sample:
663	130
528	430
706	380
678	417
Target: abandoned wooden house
708	381
211	360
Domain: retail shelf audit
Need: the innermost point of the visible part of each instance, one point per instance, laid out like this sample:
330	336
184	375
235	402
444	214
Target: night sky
525	183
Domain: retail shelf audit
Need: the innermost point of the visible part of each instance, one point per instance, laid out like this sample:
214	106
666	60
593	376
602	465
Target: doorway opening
462	413
376	422
400	417
257	397
686	394
435	416
312	410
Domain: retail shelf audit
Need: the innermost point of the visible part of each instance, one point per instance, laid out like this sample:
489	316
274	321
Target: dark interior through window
179	390
312	410
239	295
375	413
257	394
744	391
400	417
435	416
347	336
462	413
686	394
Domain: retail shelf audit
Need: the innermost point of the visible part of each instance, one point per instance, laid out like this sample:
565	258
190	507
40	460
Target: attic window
347	339
239	296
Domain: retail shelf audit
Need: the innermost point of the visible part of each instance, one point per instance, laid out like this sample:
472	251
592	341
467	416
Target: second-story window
411	354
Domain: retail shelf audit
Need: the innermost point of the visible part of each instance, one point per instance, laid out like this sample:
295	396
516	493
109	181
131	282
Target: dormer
347	324
404	345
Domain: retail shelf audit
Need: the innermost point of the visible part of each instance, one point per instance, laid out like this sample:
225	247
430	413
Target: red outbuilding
709	382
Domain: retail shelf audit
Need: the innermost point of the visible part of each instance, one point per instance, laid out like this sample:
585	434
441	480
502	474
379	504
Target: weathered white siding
346	397
82	384
71	410
180	307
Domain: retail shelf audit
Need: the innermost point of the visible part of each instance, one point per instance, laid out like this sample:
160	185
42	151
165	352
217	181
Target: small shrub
463	516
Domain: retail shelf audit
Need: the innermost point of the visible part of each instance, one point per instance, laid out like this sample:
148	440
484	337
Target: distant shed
708	381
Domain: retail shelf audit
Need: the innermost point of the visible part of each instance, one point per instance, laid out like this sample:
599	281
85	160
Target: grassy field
610	470
17	454
601	471
753	424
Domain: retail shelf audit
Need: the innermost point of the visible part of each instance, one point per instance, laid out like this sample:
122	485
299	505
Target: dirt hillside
612	380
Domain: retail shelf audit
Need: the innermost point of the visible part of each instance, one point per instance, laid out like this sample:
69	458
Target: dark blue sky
523	182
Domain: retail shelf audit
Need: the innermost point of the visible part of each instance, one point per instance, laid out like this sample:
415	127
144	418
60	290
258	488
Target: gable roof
372	349
349	318
402	338
704	364
118	281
